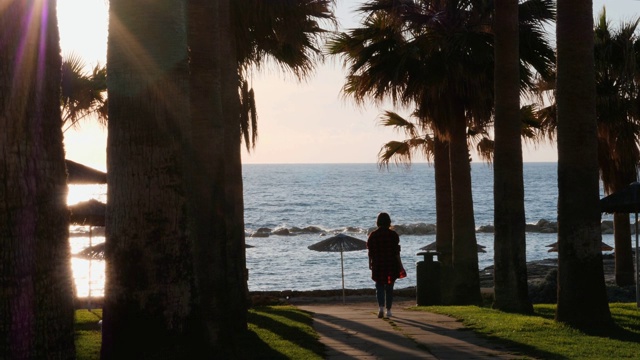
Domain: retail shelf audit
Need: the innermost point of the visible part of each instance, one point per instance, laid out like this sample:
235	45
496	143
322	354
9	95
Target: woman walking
383	245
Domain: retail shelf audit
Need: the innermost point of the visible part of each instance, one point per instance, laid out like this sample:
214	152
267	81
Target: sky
298	122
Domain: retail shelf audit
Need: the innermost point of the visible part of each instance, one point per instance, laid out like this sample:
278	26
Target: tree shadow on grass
256	348
626	325
287	326
289	312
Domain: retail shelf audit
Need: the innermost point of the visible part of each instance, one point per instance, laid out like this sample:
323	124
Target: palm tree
214	177
226	41
194	154
511	290
150	286
408	52
580	268
617	57
37	293
82	94
616	65
287	34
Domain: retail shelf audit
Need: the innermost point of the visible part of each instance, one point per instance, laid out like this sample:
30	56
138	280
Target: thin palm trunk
444	225
37	294
510	273
466	285
624	270
580	268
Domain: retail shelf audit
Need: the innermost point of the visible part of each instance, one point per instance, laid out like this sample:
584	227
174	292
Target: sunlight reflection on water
88	275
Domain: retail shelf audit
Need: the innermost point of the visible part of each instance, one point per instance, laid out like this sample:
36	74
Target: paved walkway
352	330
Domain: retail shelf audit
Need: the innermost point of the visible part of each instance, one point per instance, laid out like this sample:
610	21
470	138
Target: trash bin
428	280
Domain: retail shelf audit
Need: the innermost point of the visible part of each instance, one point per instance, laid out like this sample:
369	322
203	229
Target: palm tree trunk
236	287
510	263
444	225
215	177
582	297
37	293
625	274
149	285
466	285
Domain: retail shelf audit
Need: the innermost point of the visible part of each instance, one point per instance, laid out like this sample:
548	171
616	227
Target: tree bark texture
466	286
624	268
582	298
36	283
215	176
510	263
149	269
444	223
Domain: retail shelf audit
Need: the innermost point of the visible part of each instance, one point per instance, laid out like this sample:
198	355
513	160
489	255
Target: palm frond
286	33
82	94
393	119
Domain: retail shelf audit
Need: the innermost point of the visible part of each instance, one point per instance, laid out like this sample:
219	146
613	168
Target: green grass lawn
540	336
285	332
275	332
88	338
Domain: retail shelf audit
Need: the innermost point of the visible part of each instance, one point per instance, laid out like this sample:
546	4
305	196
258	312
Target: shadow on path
353	331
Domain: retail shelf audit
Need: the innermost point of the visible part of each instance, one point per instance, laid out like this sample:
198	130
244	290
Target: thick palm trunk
582	297
215	176
236	287
36	295
510	263
149	290
466	285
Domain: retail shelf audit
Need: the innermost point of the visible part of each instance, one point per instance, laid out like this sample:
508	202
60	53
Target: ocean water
335	198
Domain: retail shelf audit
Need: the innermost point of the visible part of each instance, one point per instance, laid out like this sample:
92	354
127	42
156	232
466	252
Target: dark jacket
384	250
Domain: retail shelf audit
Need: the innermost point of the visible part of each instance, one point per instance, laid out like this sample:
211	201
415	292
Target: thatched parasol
554	247
626	200
81	174
341	243
90	212
432	247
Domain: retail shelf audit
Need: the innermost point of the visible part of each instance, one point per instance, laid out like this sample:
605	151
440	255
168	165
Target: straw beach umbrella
81	174
626	200
554	247
90	213
432	247
341	243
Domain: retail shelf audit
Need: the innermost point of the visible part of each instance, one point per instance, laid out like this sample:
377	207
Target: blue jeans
384	291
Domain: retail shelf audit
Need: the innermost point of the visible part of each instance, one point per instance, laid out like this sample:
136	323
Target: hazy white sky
306	122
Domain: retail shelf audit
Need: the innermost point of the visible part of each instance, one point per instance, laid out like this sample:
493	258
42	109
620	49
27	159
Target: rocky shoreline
542	288
542	277
541	226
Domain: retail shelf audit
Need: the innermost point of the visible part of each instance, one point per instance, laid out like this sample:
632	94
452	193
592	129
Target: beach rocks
415	229
281	231
486	229
261	232
541	226
543	281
